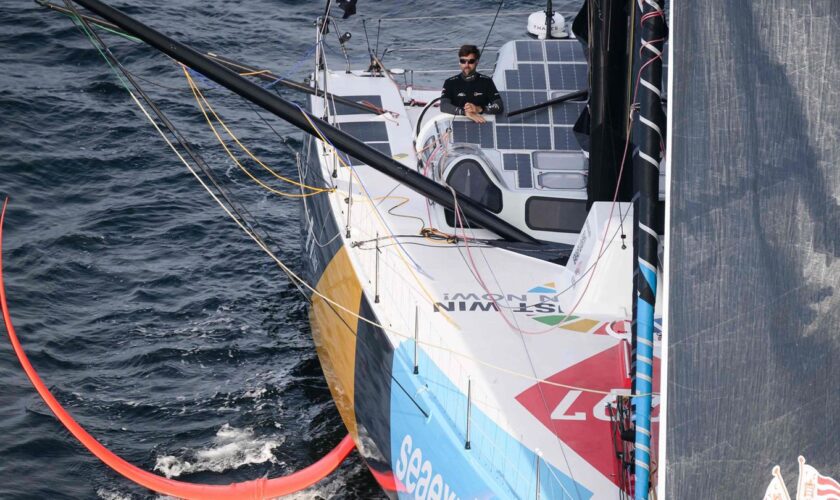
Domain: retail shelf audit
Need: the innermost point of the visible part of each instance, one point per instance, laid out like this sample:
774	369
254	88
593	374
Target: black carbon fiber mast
297	117
607	36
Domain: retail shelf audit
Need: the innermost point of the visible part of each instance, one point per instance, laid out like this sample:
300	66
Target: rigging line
242	146
378	30
521	337
438	246
620	171
405	200
440	347
253	235
355	334
301	284
402	253
538	380
539	386
422	18
115	65
491	27
311	227
380	219
199	98
367	38
623	218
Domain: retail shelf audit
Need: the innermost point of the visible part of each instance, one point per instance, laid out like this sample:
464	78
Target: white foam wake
232	448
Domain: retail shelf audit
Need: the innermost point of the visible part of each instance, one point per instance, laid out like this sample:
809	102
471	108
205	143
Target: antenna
549	20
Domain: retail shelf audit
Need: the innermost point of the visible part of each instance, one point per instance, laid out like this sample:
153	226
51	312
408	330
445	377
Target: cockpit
530	169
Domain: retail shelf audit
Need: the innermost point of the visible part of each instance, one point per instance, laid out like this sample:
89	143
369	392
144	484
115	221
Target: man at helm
470	93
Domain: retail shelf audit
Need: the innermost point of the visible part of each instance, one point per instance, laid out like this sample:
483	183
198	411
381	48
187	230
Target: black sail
754	317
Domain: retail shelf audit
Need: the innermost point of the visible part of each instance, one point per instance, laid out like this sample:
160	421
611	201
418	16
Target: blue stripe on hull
429	455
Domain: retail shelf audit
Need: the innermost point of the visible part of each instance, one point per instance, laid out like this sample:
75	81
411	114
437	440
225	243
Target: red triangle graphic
579	417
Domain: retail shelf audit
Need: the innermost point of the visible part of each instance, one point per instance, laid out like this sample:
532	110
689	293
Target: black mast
297	117
609	56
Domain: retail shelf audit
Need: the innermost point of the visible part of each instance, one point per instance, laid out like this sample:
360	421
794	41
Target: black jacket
476	88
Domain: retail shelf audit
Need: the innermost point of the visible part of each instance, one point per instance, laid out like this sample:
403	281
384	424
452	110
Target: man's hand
473	112
472	108
474	116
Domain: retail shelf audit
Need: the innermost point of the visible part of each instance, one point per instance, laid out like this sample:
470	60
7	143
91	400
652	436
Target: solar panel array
543	70
374	134
343	109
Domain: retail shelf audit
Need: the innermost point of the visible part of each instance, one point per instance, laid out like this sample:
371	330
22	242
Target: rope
448	16
122	74
302	285
199	97
491	27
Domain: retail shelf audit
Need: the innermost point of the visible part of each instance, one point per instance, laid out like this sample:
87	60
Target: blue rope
294	67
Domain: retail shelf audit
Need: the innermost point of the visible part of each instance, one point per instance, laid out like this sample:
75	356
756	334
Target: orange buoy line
257	489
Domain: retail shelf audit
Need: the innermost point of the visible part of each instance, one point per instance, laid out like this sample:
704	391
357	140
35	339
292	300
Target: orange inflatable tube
257	489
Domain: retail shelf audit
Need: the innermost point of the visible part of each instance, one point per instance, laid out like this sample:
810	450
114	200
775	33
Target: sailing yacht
465	365
472	302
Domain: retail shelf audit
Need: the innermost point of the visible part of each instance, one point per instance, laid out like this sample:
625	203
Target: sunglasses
468	61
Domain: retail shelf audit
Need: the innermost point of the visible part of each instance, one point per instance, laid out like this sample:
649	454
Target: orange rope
257	489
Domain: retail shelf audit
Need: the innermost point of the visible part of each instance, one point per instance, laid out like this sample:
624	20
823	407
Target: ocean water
154	320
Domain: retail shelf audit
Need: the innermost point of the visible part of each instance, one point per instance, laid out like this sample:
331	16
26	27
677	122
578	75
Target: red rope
257	489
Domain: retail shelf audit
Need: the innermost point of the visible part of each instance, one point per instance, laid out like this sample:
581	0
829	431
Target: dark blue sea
164	330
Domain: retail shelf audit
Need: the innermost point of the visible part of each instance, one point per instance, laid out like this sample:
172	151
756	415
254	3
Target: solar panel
521	163
473	133
566	113
515	100
564	51
366	131
382	147
564	139
343	109
529	50
523	137
526	77
568	76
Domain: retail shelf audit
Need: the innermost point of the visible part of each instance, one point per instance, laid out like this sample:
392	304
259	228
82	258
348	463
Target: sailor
470	93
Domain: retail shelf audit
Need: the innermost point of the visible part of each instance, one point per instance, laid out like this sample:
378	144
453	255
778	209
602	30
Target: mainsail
753	317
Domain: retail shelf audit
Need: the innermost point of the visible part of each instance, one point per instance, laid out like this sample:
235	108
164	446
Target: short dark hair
466	50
